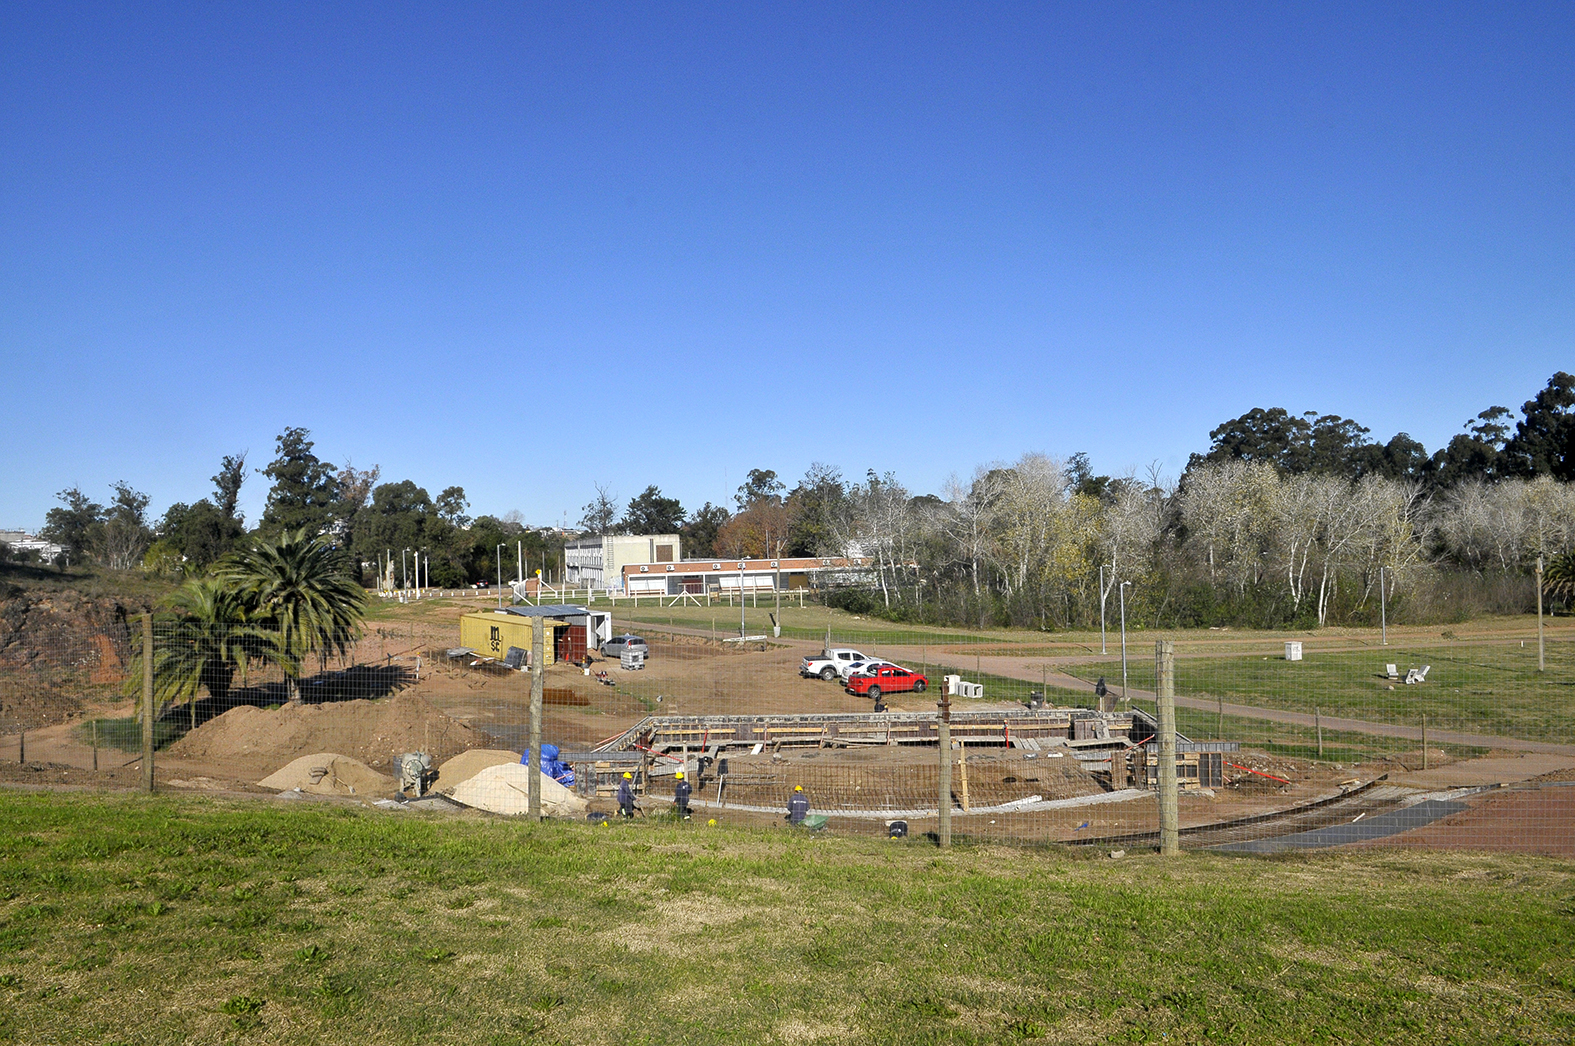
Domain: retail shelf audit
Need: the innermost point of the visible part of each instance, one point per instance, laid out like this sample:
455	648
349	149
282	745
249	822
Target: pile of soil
58	647
370	731
25	705
329	774
466	765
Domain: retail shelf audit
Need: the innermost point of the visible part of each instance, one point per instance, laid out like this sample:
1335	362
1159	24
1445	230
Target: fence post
1318	725
944	743
1542	661
537	655
147	701
1424	741
1165	691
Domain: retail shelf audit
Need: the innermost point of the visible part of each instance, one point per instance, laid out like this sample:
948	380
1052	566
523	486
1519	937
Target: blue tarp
551	766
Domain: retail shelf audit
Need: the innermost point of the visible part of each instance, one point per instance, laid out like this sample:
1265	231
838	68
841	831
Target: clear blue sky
524	249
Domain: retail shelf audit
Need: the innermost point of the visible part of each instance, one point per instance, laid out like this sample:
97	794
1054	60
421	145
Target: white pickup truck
829	663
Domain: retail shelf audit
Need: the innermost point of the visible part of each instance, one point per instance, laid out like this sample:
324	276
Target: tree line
373	522
1284	519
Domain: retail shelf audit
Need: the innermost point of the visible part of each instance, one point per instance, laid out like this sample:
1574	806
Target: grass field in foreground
180	920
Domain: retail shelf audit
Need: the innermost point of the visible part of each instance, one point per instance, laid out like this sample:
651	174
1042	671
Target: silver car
615	646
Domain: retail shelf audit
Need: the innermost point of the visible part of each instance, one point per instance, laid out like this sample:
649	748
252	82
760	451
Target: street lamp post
499	557
419	556
1124	585
741	631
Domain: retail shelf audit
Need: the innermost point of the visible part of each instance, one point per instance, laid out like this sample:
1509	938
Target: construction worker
626	795
798	806
681	794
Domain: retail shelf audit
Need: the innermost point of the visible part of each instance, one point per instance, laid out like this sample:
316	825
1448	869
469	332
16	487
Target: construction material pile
327	773
504	789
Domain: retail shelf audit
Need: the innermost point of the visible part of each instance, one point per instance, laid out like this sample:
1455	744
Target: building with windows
599	562
725	576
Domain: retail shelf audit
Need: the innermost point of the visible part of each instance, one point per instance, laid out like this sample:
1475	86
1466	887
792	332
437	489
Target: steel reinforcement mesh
1450	738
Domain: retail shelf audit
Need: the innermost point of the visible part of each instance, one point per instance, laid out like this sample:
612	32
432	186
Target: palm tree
1558	578
298	587
209	644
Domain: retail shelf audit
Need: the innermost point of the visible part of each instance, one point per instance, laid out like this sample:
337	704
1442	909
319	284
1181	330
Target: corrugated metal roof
554	610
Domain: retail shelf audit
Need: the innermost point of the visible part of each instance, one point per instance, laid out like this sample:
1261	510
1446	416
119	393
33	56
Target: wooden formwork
1199	764
999	727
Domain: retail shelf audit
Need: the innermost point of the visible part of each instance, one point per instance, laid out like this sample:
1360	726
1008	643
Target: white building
599	562
21	541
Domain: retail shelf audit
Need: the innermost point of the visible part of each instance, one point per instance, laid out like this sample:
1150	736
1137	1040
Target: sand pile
370	731
503	789
329	774
466	765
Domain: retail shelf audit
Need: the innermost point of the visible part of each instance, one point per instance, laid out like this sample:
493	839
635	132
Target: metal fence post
1165	691
147	701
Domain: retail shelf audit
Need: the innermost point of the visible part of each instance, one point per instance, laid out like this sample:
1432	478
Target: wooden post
962	767
94	724
1542	664
1424	741
1165	692
944	740
21	748
147	701
538	657
1318	725
1219	721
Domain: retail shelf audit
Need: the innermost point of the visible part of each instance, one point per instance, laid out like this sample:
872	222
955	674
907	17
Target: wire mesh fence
767	716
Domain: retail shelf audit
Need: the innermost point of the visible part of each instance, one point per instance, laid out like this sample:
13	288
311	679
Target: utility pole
1124	585
1169	811
944	742
538	654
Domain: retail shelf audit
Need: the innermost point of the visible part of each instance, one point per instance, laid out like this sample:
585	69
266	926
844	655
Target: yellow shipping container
491	634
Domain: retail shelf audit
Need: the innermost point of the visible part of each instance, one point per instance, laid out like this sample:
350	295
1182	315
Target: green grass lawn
181	920
1486	688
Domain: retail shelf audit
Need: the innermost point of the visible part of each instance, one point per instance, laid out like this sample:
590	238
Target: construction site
1038	755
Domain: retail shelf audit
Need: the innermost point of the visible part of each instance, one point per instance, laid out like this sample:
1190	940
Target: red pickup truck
887	679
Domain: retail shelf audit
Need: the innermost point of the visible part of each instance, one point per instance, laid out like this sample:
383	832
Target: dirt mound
503	789
58	649
466	765
328	774
371	731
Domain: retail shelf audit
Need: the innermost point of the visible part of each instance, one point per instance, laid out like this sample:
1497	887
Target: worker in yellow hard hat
681	793
798	806
626	795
